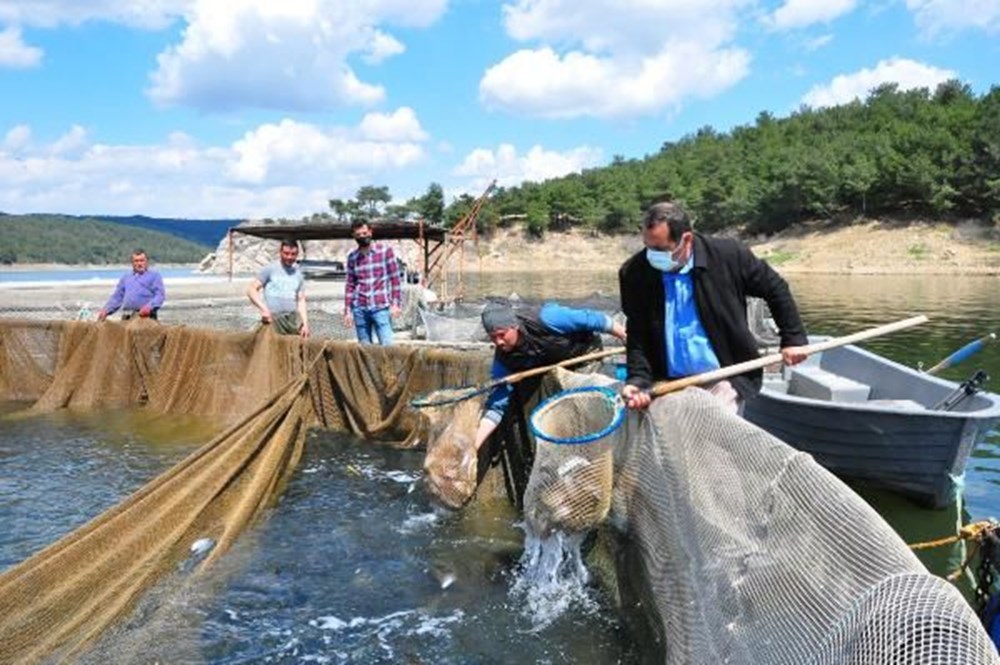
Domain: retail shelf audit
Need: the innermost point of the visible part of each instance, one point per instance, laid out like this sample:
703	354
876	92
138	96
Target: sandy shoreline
864	248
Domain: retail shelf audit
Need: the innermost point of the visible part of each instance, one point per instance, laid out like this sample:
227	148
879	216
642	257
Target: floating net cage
743	550
264	390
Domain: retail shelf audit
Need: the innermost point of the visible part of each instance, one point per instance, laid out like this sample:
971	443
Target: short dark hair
357	223
290	242
139	250
670	213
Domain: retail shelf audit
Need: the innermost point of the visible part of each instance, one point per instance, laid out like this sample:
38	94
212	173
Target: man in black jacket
684	297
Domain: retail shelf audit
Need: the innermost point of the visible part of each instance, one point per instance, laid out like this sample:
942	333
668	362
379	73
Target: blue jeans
368	321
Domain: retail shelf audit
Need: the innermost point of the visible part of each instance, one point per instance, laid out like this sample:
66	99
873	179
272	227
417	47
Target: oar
611	403
963	354
664	387
467	392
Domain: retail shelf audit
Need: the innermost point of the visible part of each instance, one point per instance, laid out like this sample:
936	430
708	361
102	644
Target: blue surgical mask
662	261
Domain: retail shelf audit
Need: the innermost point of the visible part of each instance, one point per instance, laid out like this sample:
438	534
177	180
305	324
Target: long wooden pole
664	387
578	360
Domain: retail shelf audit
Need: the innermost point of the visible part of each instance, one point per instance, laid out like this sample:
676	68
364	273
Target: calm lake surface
355	565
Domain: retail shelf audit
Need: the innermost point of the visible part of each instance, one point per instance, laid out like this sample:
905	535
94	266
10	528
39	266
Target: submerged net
268	389
750	551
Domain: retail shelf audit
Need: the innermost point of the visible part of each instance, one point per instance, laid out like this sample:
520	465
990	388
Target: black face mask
363	241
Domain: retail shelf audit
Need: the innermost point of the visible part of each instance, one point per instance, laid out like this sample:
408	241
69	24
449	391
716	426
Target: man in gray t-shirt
279	293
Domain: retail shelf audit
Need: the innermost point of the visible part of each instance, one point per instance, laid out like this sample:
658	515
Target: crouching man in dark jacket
535	337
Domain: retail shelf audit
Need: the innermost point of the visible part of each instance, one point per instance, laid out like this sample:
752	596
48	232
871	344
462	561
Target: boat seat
817	383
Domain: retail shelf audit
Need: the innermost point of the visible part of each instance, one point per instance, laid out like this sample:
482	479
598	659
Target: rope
974	532
967	532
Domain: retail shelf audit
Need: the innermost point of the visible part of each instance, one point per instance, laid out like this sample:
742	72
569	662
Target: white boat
870	419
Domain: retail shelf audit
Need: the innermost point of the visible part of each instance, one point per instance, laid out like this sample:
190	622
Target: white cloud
907	74
284	169
400	125
509	168
71	142
796	14
149	14
382	46
16	139
623	26
578	84
615	58
944	17
290	55
817	43
14	53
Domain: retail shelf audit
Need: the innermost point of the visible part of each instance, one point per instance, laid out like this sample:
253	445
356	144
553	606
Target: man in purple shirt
139	293
373	291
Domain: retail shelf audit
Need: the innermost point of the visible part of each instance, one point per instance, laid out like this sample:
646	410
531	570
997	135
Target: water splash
552	578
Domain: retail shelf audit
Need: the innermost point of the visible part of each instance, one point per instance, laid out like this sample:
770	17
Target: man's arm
762	281
395	288
159	295
496	405
350	284
301	306
114	302
566	320
254	292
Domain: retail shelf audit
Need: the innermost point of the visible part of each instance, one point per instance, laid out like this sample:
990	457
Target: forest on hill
71	240
914	153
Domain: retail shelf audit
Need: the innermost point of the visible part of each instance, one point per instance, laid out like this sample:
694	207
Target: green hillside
899	153
58	239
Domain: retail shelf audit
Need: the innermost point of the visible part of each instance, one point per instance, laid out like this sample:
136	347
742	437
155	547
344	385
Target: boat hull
893	440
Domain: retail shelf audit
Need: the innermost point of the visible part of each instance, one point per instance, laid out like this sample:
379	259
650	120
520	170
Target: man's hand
635	398
304	331
265	315
618	330
102	315
145	311
793	355
348	319
395	311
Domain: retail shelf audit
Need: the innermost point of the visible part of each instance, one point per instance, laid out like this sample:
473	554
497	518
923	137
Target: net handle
518	376
664	387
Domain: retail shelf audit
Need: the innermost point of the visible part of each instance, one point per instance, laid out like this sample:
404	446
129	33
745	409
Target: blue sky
268	108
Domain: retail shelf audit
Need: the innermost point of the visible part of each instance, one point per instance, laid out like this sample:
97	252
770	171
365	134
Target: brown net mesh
750	552
269	389
451	466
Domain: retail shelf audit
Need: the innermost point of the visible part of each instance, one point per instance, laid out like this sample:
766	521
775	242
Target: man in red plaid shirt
373	293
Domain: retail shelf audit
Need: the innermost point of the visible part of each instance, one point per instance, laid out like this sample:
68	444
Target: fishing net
266	389
571	480
451	469
749	551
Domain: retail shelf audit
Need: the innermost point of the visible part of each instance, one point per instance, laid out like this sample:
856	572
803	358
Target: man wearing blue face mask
684	297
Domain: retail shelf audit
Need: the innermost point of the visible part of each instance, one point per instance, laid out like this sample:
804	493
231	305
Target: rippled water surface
353	565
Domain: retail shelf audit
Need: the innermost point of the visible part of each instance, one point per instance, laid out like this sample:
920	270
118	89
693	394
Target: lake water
354	564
